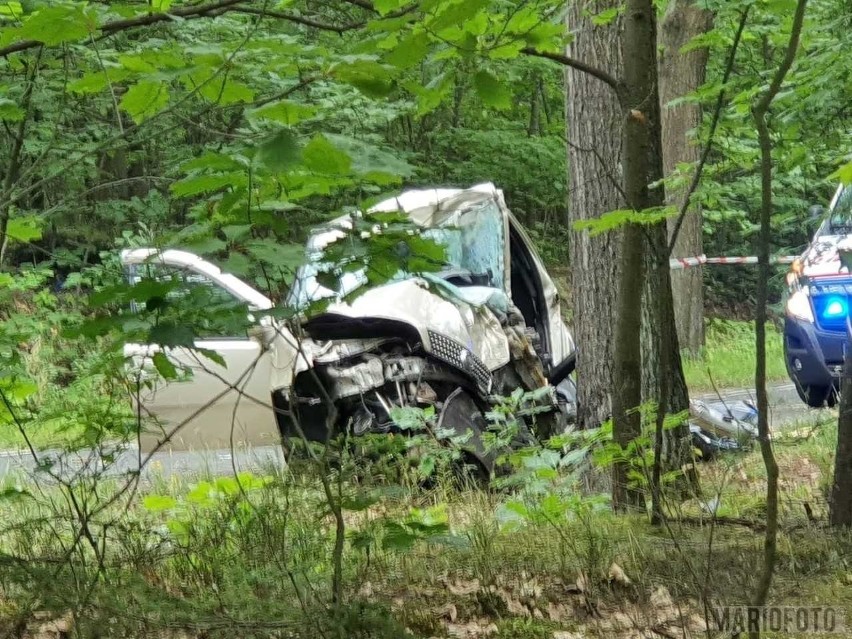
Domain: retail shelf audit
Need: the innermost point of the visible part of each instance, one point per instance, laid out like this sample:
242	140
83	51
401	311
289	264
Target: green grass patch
728	358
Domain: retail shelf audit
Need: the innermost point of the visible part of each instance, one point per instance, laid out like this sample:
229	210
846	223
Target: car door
222	399
535	294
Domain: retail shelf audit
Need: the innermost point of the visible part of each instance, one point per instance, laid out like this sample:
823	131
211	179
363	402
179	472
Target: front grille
450	351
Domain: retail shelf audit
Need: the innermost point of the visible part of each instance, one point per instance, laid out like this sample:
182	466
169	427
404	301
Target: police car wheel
817	396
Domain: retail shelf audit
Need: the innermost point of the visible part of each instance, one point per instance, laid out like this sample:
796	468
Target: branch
196	11
789	56
717	115
308	22
760	113
567	61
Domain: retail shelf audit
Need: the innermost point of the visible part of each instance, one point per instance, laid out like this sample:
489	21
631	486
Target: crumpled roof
426	208
429	207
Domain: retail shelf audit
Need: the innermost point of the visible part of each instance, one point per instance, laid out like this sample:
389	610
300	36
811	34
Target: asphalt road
786	408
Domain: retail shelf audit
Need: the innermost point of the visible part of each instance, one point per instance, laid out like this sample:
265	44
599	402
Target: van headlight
799	306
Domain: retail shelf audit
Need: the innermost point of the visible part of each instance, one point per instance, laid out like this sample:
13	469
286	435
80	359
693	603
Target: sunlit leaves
844	173
11	10
145	99
24	229
56	24
384	7
614	220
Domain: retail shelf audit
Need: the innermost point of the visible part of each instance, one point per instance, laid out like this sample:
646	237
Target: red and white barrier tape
678	263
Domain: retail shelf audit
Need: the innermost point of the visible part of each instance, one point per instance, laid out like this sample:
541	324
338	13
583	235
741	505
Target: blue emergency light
835	308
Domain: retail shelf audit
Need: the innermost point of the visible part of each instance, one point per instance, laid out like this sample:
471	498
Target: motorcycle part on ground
709	445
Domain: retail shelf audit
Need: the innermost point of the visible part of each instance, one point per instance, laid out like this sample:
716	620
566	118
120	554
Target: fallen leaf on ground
449	611
461	588
661	598
617	574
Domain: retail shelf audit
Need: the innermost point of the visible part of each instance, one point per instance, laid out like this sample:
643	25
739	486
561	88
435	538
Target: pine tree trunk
594	123
681	73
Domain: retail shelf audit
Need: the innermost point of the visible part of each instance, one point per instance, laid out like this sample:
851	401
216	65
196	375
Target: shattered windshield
473	240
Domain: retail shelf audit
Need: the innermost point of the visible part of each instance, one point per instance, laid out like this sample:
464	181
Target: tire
816	396
461	415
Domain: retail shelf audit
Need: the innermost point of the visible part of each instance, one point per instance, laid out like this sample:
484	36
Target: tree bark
681	74
594	123
642	166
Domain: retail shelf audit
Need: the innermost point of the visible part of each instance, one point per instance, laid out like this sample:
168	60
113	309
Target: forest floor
445	561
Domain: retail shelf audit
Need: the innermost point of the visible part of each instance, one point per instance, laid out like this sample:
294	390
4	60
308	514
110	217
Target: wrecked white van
485	324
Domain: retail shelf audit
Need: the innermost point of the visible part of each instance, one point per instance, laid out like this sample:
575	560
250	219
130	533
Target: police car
818	304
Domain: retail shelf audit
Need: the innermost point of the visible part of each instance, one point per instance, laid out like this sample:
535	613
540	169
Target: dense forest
621	134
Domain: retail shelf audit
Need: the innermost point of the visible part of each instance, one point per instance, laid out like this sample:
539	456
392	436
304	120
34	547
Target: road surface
786	408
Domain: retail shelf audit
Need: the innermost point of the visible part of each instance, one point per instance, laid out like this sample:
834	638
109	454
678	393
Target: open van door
221	400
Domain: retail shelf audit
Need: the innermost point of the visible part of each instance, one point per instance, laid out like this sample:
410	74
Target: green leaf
491	91
164	366
322	156
606	17
410	51
97	81
10	111
371	78
616	219
57	24
144	99
280	151
158	503
161	6
456	13
198	184
172	335
226	91
11	11
212	160
24	229
384	7
844	174
285	112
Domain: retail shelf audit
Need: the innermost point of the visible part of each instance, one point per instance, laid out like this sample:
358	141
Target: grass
208	560
729	356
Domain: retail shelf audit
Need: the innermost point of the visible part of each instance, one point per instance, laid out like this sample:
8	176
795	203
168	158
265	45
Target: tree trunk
841	490
681	74
642	166
594	122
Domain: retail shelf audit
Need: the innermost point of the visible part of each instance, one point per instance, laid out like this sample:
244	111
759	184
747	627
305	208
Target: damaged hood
823	256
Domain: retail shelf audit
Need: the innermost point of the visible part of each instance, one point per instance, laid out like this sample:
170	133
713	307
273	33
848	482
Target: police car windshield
840	218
